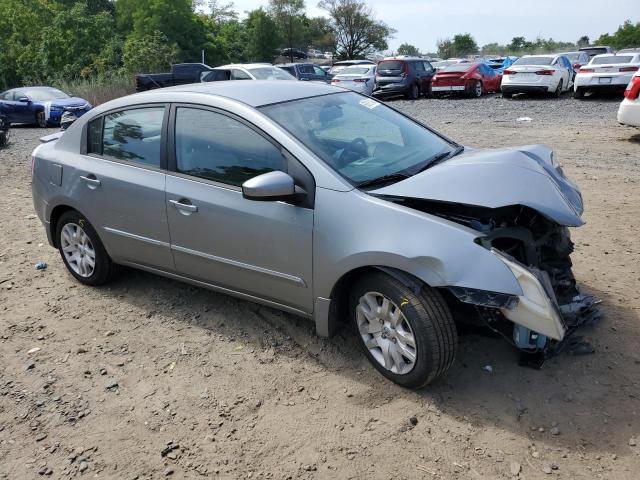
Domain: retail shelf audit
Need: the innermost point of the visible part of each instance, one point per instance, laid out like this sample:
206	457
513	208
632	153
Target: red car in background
472	79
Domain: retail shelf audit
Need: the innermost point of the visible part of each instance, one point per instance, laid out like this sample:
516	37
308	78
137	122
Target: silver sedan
323	203
359	78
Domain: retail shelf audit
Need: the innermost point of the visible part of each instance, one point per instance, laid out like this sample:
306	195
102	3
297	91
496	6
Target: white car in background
608	73
629	111
246	71
538	74
359	78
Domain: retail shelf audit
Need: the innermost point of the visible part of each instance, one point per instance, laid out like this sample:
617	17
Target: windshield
355	70
270	73
458	67
613	59
360	138
43	94
534	61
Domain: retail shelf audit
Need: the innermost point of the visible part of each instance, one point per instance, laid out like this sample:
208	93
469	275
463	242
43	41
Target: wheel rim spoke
77	250
386	333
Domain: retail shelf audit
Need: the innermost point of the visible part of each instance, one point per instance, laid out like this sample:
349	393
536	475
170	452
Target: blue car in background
40	105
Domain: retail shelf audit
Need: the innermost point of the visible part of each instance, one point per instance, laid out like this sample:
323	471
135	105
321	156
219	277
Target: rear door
119	184
262	249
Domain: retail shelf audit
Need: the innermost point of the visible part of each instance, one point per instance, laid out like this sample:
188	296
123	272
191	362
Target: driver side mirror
24	100
271	186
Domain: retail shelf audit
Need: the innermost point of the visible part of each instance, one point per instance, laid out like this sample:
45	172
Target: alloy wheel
78	250
386	333
478	89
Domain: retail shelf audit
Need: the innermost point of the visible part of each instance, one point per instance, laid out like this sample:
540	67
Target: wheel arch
54	217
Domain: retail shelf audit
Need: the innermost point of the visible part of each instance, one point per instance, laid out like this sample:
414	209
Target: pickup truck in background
181	73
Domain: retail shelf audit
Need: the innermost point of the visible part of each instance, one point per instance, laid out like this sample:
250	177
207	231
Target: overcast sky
423	22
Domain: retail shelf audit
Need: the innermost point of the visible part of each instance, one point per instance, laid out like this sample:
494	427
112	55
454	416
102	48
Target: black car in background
306	71
408	76
294	53
181	74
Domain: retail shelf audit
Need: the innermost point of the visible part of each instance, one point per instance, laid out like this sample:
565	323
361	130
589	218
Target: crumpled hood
498	178
69	102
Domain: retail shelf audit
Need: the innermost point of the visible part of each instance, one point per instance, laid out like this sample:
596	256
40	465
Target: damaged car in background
326	204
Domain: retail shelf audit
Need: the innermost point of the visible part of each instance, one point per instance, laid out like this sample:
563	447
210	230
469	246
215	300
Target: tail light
334	80
545	72
586	70
576	66
633	89
629	69
509	72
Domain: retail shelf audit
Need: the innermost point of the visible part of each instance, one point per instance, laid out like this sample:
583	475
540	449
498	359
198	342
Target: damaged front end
542	320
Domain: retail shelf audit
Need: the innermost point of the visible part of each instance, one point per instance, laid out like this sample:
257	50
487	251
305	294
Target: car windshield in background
43	94
573	56
458	67
355	70
270	73
613	59
534	61
360	138
594	51
391	65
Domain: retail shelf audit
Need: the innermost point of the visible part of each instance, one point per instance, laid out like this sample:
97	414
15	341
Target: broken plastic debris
41	266
523	119
488	368
34	350
171	366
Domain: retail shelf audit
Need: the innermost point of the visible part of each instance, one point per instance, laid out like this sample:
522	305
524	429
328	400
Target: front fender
369	231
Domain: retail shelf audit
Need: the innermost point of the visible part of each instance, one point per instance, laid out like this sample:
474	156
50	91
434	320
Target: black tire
578	94
41	120
414	92
507	95
476	89
104	269
558	92
430	320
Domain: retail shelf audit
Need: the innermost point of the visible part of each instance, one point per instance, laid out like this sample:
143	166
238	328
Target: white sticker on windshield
369	103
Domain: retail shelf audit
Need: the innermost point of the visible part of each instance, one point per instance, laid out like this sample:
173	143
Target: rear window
390	65
611	60
572	56
270	73
534	61
355	70
593	51
458	67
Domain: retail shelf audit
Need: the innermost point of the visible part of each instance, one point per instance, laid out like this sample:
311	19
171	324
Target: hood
527	176
69	102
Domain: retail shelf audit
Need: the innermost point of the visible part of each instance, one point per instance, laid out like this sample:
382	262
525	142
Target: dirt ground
151	378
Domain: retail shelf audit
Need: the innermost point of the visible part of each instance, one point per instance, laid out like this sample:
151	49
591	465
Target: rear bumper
629	113
609	87
390	90
513	89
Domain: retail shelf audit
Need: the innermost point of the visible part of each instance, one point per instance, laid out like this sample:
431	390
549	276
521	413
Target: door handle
187	207
91	180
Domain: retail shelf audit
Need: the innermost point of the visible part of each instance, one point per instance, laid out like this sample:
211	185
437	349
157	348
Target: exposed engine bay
541	247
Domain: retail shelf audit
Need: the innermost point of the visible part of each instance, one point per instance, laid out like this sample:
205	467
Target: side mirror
271	186
24	100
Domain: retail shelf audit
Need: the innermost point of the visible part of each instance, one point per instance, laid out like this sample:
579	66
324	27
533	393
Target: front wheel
579	94
82	250
41	120
414	92
410	338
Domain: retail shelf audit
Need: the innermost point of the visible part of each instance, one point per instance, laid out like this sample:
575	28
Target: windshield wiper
391	178
440	157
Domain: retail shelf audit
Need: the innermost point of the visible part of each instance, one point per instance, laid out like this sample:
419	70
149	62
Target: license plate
457	87
605	79
440	89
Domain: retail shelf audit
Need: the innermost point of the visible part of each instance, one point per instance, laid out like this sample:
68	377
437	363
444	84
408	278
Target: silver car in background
323	203
359	78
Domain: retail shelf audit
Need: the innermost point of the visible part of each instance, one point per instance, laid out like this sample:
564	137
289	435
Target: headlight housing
536	309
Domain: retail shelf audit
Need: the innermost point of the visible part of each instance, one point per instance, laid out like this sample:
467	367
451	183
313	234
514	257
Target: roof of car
352	62
255	93
244	65
548	55
294	64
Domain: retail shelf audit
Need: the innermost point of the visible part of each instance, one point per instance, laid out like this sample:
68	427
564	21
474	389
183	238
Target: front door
120	185
263	249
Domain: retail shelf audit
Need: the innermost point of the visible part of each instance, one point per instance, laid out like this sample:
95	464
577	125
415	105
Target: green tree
583	41
445	48
263	36
288	15
150	53
627	36
493	49
464	44
407	49
357	32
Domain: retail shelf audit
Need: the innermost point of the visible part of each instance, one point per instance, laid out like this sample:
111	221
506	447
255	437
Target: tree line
43	41
463	44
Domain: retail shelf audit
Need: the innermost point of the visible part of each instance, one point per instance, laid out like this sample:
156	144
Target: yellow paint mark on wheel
404	302
81	222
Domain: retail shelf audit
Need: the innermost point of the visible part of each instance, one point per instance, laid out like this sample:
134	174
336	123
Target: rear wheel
579	94
408	337
476	89
414	92
41	120
82	250
558	92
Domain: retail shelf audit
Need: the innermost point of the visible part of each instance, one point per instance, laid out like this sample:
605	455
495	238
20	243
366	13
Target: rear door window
133	135
240	75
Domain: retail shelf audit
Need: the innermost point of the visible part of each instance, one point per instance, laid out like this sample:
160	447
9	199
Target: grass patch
99	90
